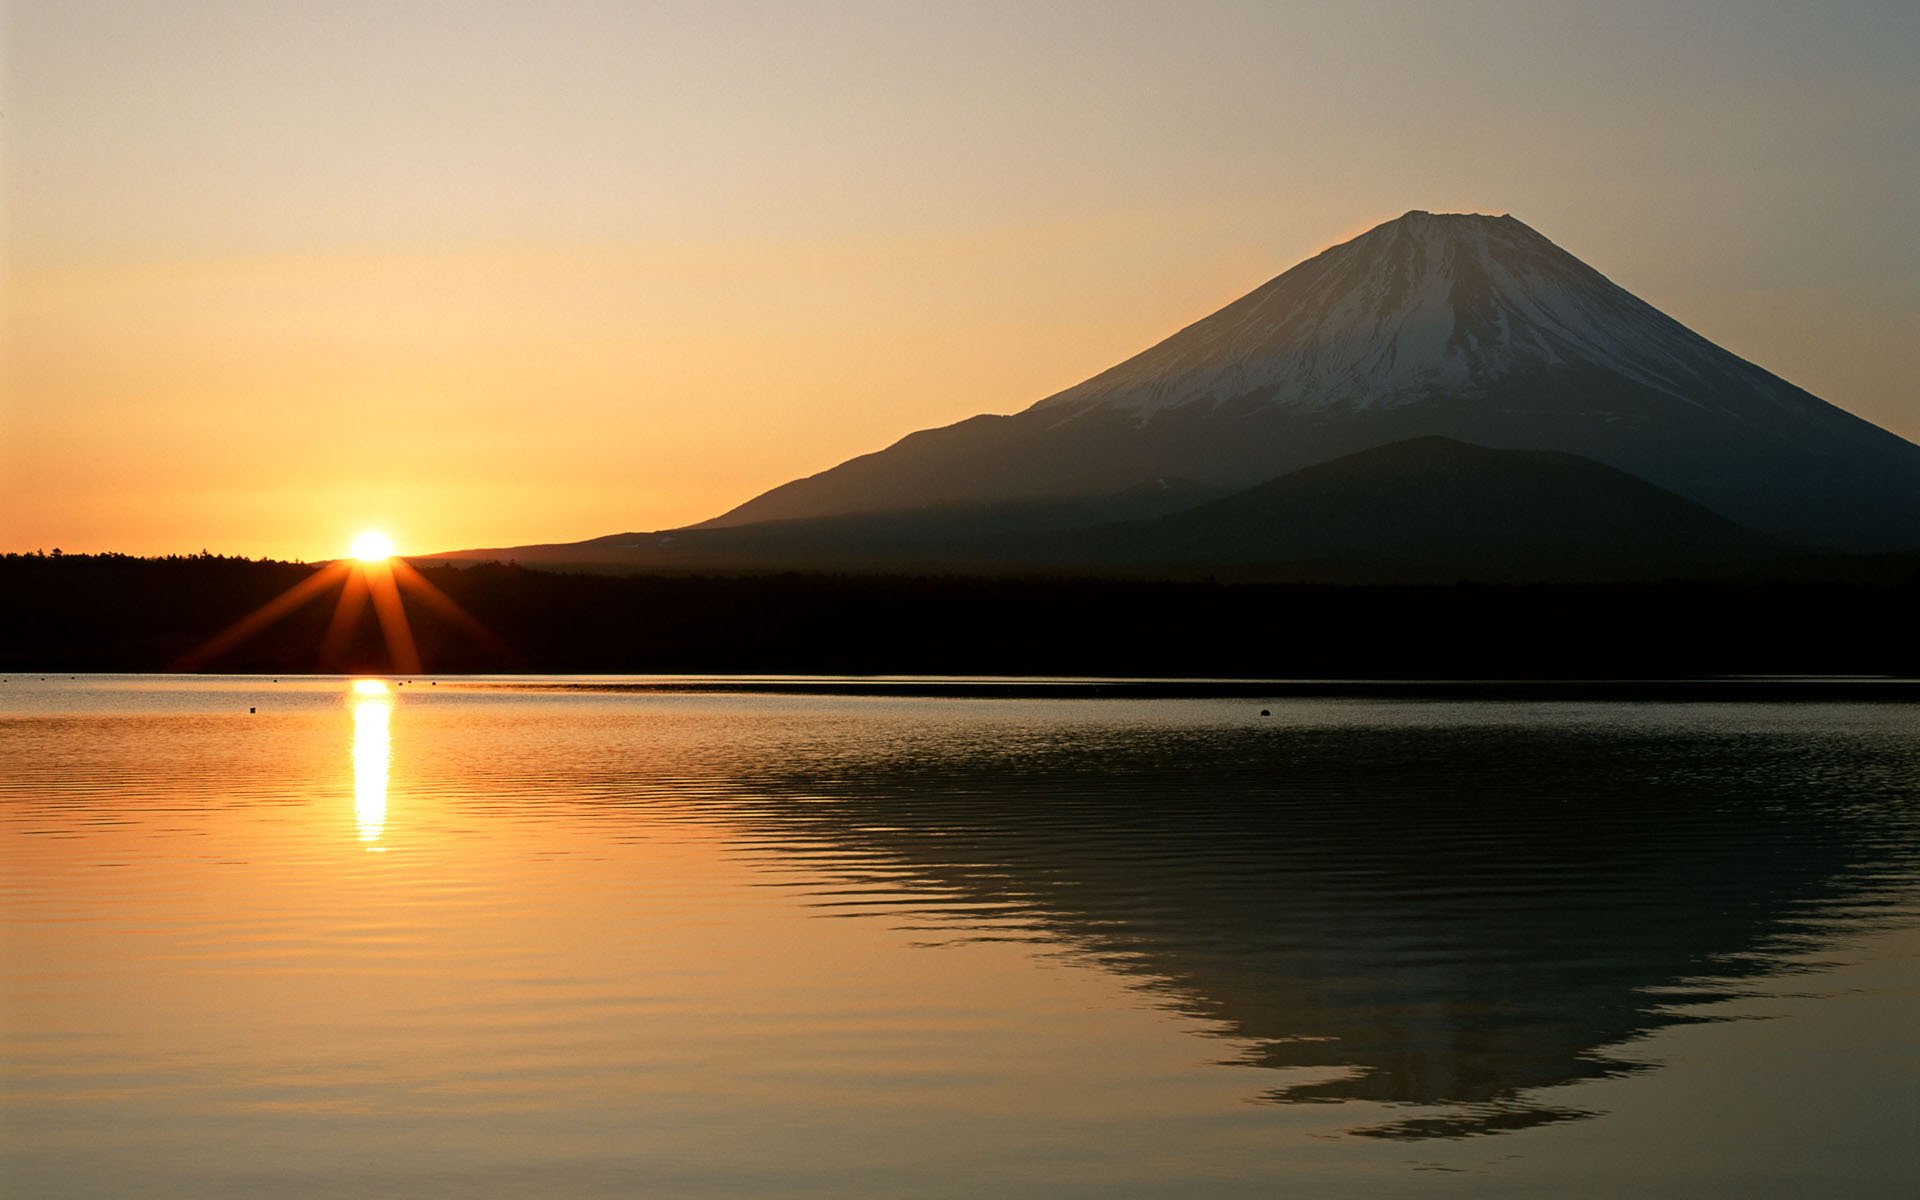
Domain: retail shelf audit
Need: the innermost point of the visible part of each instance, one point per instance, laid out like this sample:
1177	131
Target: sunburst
374	571
372	546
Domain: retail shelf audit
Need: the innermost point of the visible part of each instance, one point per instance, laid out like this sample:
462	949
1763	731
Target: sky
485	274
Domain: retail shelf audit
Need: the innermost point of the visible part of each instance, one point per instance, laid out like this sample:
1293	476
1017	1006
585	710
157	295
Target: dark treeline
117	613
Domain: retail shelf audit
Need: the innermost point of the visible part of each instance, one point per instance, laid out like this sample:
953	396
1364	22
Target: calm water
536	938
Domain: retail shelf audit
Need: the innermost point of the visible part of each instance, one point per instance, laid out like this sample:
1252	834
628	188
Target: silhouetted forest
119	613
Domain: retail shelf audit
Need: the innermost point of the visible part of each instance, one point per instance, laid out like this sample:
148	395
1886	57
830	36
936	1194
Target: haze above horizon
492	274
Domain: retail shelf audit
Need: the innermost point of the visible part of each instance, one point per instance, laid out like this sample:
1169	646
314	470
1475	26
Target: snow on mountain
1424	305
1470	327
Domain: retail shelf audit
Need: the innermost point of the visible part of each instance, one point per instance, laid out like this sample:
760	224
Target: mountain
930	535
1423	509
1470	327
1410	914
1435	507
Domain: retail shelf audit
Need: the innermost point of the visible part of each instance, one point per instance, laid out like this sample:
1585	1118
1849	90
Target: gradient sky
486	273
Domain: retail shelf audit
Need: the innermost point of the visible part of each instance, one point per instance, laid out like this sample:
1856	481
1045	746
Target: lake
573	937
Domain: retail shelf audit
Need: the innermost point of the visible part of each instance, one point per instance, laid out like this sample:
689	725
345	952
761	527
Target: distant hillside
1427	508
956	536
1441	508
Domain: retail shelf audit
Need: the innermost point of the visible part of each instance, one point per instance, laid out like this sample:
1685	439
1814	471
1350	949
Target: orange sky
274	274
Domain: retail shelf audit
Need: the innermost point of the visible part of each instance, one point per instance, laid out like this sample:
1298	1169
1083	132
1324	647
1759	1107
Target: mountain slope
1471	327
1429	508
928	536
1437	507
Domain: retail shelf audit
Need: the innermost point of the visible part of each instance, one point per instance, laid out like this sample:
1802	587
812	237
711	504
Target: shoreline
1693	689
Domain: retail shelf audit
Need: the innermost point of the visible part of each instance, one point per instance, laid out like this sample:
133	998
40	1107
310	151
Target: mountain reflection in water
620	939
1449	917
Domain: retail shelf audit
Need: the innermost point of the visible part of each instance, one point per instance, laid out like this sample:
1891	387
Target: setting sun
372	546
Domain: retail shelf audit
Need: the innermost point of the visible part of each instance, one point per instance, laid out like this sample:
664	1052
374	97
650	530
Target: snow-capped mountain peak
1470	327
1423	305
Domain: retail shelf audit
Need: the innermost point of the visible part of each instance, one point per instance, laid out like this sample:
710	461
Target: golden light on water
372	546
372	751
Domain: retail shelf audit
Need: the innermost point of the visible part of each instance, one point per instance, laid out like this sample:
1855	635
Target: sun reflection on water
372	750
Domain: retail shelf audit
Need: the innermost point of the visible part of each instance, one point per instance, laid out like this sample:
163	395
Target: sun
372	572
372	546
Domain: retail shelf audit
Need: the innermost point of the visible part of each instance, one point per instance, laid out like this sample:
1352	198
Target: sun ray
401	653
412	581
369	576
346	617
274	609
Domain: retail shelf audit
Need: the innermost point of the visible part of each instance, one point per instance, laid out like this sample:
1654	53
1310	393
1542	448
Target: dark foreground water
536	938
